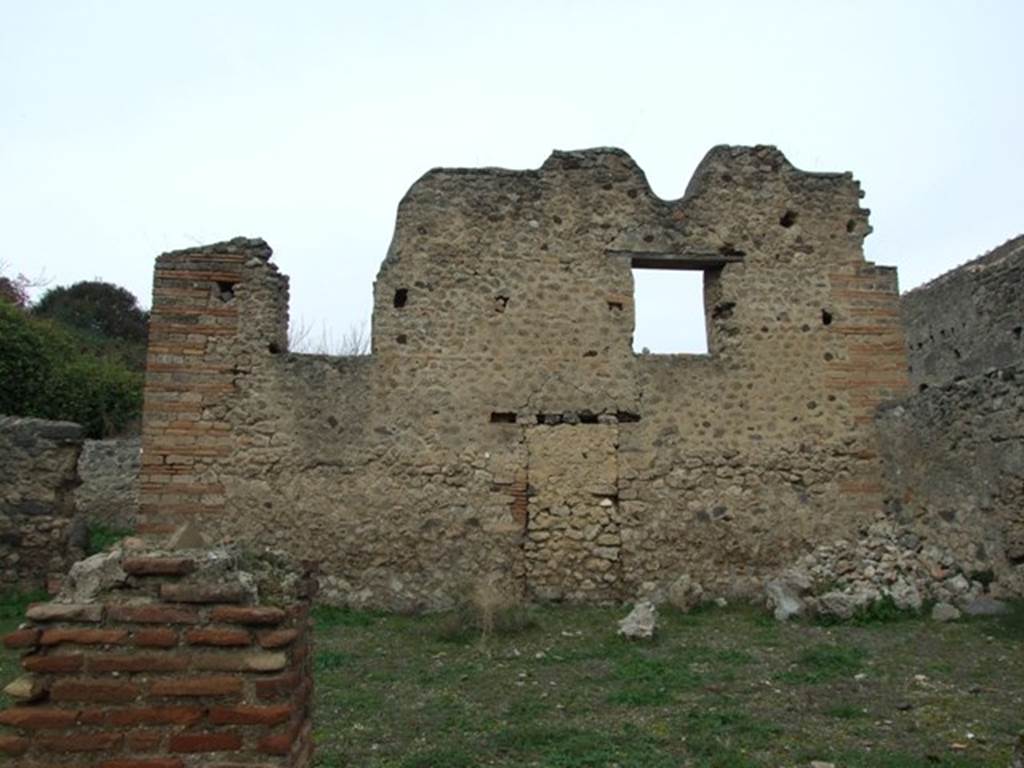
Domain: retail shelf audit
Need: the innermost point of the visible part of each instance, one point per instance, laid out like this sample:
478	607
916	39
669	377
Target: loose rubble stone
640	623
984	606
785	594
886	561
88	578
685	594
945	612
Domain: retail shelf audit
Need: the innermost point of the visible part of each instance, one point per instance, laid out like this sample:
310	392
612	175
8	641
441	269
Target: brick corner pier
166	659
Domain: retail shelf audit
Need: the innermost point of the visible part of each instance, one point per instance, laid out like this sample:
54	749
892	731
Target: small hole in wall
826	317
851	225
956	353
503	417
225	290
401	338
274	348
615	306
1017	332
500	302
922	387
401	297
788	219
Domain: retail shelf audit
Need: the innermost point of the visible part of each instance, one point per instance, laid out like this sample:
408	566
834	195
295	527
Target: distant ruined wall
969	319
955	449
39	535
503	425
109	473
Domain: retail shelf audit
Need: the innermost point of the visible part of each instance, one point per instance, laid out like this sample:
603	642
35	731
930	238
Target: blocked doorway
573	541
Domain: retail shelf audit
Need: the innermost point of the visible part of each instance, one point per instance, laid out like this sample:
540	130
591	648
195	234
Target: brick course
117	692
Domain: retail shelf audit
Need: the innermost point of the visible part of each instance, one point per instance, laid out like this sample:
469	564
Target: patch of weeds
881	611
1007	626
846	712
895	759
14	604
103	537
325	661
651	682
330	759
329	616
719	732
440	757
824	663
555	747
488	610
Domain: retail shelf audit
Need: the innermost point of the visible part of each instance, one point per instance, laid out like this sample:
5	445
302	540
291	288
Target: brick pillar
218	311
177	660
868	366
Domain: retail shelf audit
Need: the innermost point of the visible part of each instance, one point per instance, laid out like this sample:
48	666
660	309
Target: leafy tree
98	308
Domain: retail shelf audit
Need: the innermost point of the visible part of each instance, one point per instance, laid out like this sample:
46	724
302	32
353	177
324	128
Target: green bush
45	372
24	366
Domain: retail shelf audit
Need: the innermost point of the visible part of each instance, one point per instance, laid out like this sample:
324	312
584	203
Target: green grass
825	663
722	688
102	537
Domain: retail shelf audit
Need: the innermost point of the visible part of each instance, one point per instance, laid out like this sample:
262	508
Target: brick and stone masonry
503	425
166	659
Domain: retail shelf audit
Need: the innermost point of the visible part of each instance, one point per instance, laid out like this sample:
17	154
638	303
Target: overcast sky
132	128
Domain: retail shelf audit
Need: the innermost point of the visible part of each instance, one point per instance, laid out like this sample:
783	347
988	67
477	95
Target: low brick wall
166	660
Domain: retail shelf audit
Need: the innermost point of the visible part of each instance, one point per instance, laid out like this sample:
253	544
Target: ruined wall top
969	319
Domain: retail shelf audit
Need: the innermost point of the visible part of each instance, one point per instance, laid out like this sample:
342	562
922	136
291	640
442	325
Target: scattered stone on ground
983	605
685	594
945	612
640	623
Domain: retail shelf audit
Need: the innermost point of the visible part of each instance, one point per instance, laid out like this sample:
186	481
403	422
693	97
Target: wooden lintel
694	260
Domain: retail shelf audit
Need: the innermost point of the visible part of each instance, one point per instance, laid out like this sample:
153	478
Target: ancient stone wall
180	659
39	534
956	458
969	319
109	474
955	450
503	425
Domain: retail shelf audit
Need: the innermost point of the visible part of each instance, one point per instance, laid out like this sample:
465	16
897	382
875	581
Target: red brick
72	662
158	566
156	762
83	636
271	688
80	742
205	742
227	636
154	716
37	717
155	638
93	690
279	743
247	715
153	613
89	612
215	685
278	638
143	741
137	663
13	745
240	614
203	593
22	638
